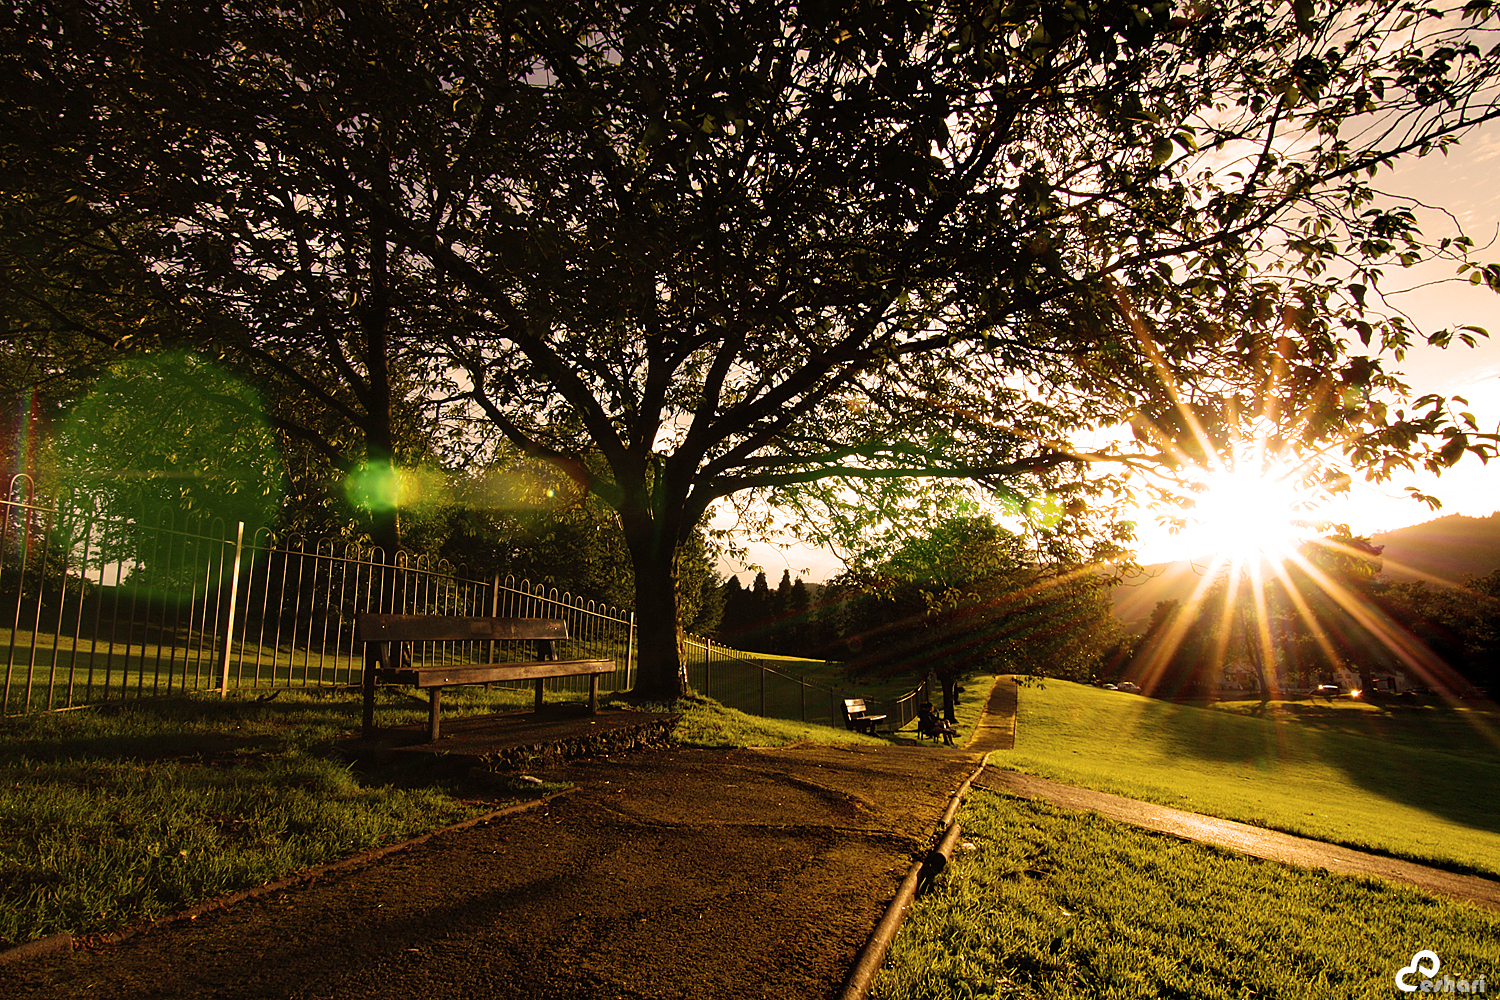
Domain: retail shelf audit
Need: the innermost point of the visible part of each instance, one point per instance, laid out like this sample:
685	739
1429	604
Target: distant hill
1441	551
1137	597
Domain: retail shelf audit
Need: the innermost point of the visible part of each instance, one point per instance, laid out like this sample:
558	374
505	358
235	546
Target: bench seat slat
483	673
443	628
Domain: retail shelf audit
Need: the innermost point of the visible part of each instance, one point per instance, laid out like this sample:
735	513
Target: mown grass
1056	905
1414	783
110	816
705	723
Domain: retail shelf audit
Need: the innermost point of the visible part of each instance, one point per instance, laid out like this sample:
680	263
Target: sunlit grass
90	845
1412	783
705	723
1059	905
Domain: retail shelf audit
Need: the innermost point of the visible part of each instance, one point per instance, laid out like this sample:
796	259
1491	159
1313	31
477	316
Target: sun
1244	515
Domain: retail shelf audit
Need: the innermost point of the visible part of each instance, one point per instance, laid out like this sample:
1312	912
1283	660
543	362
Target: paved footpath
1241	837
996	730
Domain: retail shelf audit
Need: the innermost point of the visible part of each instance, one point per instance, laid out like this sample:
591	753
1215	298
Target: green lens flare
379	486
171	432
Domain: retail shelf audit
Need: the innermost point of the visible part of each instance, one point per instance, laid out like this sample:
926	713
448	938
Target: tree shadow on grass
1437	759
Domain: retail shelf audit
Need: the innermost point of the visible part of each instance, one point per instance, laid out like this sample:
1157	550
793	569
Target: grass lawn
704	723
707	724
1050	904
1413	782
109	816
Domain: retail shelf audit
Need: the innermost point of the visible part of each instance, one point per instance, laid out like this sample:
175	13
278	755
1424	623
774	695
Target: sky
1466	183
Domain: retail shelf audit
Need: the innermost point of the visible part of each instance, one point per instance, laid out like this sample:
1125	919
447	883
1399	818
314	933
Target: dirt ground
667	873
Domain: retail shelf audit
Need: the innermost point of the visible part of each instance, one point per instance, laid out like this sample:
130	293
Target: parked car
1130	686
1327	690
1110	687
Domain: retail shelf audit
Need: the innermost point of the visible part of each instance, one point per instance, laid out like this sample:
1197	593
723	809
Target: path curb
37	948
872	956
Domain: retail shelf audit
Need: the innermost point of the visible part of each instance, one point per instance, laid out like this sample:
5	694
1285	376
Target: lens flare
379	486
1244	515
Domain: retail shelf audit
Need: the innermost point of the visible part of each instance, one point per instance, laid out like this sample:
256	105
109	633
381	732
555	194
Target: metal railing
751	684
102	608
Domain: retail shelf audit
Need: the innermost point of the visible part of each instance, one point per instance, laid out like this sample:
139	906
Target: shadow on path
679	873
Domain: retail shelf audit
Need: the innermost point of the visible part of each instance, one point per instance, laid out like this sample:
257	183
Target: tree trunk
950	696
661	674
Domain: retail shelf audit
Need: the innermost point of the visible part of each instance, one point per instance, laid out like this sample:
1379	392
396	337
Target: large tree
805	253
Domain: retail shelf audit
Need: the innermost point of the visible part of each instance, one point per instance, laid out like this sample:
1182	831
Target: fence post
708	659
762	690
802	687
234	591
629	652
494	610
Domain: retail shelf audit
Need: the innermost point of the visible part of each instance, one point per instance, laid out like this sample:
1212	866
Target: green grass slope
1416	783
1049	904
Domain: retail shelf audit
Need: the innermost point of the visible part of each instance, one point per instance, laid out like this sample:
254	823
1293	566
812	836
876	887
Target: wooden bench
858	718
383	634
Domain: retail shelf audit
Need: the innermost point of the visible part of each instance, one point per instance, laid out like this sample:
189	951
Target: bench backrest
452	628
854	706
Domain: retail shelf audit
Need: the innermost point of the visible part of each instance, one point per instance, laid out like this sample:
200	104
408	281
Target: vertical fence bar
227	632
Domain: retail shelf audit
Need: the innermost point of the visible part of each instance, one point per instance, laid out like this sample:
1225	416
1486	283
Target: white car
1129	686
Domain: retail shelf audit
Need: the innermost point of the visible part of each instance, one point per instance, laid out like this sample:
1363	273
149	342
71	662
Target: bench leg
538	694
593	694
369	686
434	714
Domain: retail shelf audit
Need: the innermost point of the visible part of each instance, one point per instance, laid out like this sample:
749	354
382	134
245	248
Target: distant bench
381	633
858	718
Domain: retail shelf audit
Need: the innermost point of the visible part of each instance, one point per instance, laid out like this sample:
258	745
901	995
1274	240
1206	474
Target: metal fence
96	609
770	688
751	684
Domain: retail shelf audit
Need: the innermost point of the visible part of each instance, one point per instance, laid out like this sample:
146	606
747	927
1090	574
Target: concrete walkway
996	728
1243	838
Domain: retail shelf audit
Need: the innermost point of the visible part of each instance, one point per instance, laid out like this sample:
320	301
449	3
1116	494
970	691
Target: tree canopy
817	254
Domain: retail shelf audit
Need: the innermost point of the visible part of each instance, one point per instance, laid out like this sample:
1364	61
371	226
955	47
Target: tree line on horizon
1334	611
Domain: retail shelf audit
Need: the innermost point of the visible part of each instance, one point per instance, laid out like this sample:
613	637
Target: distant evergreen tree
799	629
783	593
776	622
736	604
760	599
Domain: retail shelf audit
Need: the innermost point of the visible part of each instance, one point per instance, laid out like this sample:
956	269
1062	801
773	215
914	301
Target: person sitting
929	723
